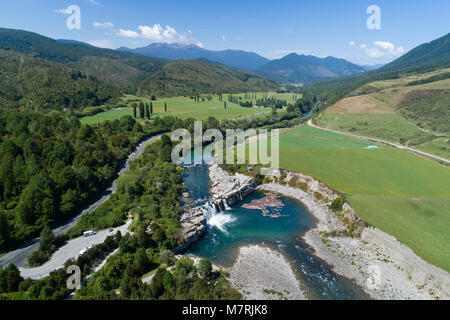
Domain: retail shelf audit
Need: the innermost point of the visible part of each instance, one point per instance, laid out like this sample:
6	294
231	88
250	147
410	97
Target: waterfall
225	204
209	211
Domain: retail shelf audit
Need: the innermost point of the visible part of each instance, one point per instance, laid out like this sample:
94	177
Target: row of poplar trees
145	109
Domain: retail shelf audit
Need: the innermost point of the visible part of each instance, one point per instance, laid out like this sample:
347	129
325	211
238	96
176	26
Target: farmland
391	189
181	107
398	111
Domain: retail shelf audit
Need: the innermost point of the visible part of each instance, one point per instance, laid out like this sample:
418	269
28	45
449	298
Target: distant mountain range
38	72
295	68
232	58
66	73
291	69
373	66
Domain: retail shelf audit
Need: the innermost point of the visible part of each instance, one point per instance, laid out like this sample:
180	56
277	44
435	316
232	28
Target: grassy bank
393	190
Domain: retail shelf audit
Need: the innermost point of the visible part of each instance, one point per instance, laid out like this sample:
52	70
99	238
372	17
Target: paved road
392	144
71	250
19	256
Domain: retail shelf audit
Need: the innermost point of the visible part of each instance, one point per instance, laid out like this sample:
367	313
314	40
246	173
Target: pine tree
147	111
134	110
151	108
225	104
141	110
165	106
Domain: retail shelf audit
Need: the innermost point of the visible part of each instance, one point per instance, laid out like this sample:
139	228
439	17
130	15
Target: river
280	228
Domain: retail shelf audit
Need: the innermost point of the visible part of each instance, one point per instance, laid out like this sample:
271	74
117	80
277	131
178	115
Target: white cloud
224	39
95	3
363	46
157	33
384	50
105	25
106	44
128	33
237	38
63	11
352	43
390	47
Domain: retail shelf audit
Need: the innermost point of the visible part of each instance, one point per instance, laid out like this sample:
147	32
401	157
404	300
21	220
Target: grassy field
288	97
181	107
394	190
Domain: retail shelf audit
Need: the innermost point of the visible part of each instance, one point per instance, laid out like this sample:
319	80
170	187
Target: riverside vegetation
150	192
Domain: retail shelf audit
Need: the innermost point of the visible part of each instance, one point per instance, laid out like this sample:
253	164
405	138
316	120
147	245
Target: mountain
231	58
295	68
45	74
424	58
373	66
428	55
38	84
186	77
122	69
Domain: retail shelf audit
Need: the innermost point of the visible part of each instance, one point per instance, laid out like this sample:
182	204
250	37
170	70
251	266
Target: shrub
337	204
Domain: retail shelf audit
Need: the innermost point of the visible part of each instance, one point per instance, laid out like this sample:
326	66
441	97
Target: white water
217	219
209	210
221	220
225	204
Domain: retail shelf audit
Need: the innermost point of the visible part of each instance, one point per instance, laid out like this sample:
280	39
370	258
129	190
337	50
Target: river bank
382	266
261	273
379	265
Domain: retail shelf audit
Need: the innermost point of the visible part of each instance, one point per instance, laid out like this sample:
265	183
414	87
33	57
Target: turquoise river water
231	229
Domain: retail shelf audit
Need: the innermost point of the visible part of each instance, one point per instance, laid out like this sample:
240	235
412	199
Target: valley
88	177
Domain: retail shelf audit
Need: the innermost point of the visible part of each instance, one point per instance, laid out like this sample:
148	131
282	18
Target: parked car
89	233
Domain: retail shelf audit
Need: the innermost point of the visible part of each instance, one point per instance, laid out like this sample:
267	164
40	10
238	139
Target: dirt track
392	144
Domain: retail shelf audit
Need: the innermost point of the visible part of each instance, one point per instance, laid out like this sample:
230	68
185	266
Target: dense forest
119	68
29	83
185	78
51	166
150	192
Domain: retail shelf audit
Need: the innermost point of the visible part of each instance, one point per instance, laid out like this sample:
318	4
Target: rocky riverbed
226	190
377	262
261	273
193	224
230	188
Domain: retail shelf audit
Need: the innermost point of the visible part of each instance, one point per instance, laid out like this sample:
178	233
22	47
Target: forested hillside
188	77
39	73
35	84
50	167
424	58
119	68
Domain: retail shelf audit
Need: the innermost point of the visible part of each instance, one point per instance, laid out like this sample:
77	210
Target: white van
89	233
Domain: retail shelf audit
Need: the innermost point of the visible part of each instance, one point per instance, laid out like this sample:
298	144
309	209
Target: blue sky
270	28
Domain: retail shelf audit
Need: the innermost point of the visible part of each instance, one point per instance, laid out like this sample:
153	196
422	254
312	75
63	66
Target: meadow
288	97
181	107
393	190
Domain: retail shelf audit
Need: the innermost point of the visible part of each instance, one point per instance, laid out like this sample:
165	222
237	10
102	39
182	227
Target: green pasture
394	190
